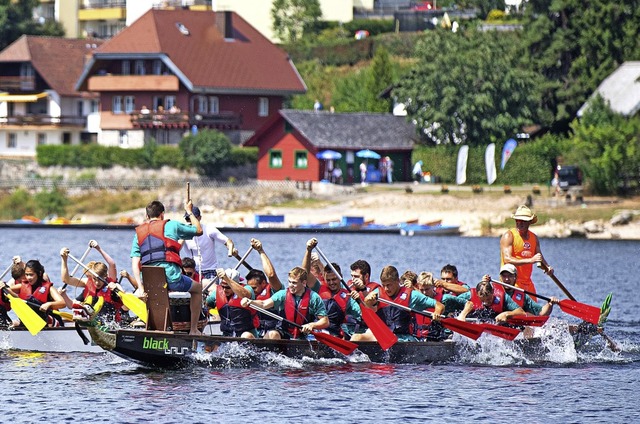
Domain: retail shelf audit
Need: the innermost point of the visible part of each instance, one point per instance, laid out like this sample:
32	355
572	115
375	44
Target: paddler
486	302
508	275
521	247
235	320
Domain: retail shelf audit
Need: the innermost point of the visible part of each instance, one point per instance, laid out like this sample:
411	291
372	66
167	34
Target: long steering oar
473	331
241	260
136	305
383	334
28	316
555	280
572	307
82	258
343	346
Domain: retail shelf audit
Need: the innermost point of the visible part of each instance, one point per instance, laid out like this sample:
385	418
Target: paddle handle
548	299
82	258
92	272
246	265
555	280
6	271
335	271
273	315
188	191
406	308
236	266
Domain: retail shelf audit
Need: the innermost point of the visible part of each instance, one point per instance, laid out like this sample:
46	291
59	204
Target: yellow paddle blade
28	316
136	305
67	316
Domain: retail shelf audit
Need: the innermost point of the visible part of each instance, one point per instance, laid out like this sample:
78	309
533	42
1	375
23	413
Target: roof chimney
224	23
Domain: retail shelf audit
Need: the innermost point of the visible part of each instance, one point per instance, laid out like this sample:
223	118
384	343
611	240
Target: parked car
569	175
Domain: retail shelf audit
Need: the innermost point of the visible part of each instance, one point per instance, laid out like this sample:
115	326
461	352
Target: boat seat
155	284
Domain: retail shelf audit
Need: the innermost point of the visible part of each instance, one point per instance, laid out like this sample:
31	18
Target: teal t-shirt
174	230
316	305
458	302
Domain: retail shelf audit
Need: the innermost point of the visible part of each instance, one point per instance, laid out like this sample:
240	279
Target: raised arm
237	288
113	271
267	266
306	262
188	207
64	270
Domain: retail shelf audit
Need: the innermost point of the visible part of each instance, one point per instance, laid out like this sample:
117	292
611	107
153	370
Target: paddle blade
530	320
467	329
343	346
384	335
581	310
136	305
507	333
28	316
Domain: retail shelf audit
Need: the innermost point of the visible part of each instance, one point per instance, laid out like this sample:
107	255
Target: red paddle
383	334
530	320
343	346
572	307
473	331
507	333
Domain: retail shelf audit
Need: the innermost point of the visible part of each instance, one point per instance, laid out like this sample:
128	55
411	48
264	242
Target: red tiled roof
248	63
59	61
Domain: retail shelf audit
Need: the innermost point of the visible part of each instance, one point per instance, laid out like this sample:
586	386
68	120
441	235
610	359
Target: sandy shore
484	214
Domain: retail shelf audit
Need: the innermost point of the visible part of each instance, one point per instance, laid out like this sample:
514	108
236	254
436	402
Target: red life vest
299	315
114	306
398	320
498	299
154	246
336	305
4	302
41	294
235	319
518	297
368	288
260	320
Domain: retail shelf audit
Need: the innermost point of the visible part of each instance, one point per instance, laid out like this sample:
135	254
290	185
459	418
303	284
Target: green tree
208	151
606	145
378	78
468	88
52	202
16	19
292	18
575	45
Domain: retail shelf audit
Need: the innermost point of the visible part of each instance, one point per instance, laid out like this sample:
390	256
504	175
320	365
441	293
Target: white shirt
205	258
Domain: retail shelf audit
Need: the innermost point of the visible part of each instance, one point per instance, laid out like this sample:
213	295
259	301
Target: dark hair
37	267
327	268
362	265
155	209
484	288
188	263
450	268
256	274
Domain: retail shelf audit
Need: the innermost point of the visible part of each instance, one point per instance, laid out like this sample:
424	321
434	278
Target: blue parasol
368	154
329	155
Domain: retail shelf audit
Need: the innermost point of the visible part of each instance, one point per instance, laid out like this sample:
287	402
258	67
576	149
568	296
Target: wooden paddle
28	316
236	266
343	346
581	310
555	280
473	331
136	305
383	334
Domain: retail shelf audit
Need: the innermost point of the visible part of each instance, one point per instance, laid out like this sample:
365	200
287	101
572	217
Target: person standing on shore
156	243
521	247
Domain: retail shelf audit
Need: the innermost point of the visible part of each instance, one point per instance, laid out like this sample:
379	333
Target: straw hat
523	213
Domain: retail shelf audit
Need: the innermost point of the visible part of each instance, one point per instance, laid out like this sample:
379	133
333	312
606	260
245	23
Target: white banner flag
461	174
490	163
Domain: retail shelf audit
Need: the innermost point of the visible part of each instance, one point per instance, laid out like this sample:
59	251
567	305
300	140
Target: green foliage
606	146
17	205
378	78
16	19
243	156
96	156
374	26
52	202
292	18
207	152
474	93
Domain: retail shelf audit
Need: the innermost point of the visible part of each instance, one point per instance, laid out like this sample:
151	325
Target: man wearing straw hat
521	247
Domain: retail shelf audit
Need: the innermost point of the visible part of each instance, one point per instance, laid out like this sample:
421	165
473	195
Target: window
157	101
123	139
66	138
93	106
42	139
275	159
214	105
263	106
12	141
288	128
202	104
300	159
139	67
126	67
80	108
129	104
117	104
157	67
169	102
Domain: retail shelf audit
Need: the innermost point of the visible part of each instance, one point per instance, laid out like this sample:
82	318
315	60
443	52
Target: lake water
491	381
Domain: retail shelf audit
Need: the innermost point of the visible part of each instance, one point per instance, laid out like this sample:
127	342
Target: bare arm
237	288
264	304
267	266
135	267
64	270
306	262
57	301
113	271
506	247
452	287
188	206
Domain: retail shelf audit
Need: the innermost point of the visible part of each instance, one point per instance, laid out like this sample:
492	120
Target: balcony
105	10
17	83
42	120
133	83
223	120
